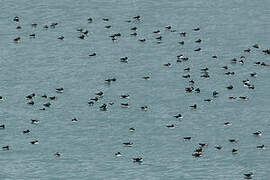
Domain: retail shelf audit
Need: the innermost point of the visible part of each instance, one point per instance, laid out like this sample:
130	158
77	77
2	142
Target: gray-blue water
87	147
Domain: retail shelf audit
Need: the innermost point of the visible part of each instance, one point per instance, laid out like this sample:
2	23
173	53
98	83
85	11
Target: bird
124	96
26	131
5	148
47	104
118	154
74	119
34	142
248	175
139	159
257	133
193	106
128	144
16	19
187	138
179	116
34	121
261	147
227	124
57	154
61	37
170	126
144	108
59	90
234	151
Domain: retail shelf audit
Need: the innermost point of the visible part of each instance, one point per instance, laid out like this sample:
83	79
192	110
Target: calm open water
44	63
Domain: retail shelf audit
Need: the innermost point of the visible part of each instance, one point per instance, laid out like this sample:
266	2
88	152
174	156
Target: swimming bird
198	49
257	133
144	108
247	50
100	93
44	96
125	105
2	126
203	144
139	159
187	138
5	148
74	119
128	144
103	107
57	154
30	96
137	17
196	154
59	90
181	42
142	40
47	104
170	126
196	29
261	147
34	25
234	140
94	99
256	46
118	154
93	54
134	34
197	90
61	37
52	98
215	93
218	147
82	36
34	121
243	97
132	129
124	59
193	106
248	175
230	87
32	35
125	96
110	80
186	76
31	103
227	124
168	27
198	41
16	19
34	142
234	151
90	20
178	116
183	34
26	131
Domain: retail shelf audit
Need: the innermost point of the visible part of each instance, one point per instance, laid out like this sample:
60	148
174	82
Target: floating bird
128	144
118	154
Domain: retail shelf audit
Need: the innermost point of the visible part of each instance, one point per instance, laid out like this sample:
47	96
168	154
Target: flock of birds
180	58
